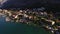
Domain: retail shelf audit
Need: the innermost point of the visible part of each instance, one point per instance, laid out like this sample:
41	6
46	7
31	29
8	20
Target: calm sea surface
14	28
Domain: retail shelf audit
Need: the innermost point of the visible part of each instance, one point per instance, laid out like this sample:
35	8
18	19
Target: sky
27	3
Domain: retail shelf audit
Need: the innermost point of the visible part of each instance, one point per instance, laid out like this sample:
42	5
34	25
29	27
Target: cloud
2	1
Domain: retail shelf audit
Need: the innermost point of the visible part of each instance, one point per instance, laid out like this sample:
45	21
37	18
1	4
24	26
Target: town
32	16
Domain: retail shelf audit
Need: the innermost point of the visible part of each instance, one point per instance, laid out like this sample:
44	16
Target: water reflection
13	28
39	18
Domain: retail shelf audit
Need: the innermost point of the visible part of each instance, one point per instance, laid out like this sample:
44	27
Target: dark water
14	28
